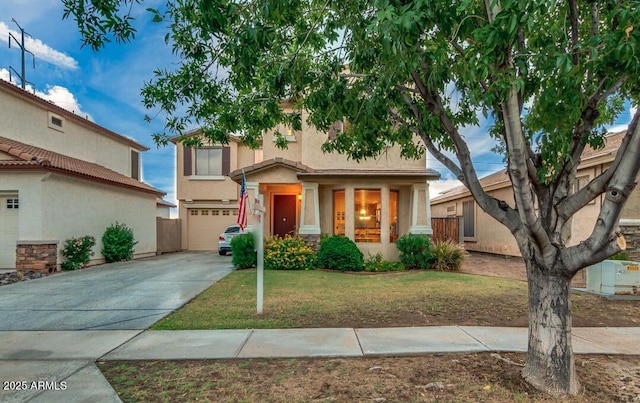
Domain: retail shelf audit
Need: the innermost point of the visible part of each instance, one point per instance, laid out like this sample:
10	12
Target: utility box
614	277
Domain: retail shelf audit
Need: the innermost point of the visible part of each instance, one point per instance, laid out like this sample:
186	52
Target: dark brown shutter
188	161
226	160
135	165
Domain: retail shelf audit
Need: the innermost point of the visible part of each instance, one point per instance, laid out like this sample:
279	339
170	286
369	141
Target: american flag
242	204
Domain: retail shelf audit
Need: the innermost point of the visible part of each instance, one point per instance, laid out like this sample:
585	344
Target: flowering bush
288	253
77	251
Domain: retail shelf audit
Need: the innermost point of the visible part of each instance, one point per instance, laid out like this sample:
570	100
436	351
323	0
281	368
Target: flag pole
260	257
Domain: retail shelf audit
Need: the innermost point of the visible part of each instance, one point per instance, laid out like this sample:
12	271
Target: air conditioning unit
614	277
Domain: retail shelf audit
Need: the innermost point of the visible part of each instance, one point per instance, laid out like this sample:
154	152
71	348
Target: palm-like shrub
447	256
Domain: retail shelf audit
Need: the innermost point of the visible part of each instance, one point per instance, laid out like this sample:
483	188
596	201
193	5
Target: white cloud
39	49
4	75
63	98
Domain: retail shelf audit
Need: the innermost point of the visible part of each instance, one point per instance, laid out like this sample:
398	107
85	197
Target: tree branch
604	237
573	16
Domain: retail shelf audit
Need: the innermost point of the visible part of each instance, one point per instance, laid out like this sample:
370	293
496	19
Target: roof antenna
23	76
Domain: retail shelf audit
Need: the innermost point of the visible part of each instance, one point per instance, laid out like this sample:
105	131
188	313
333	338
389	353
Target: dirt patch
481	377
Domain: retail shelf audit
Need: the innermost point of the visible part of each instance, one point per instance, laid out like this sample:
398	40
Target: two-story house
63	176
306	192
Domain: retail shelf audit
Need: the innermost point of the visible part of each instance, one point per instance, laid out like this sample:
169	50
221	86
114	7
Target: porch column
420	209
309	210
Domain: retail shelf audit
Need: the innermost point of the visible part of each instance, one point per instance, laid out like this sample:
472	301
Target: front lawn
299	299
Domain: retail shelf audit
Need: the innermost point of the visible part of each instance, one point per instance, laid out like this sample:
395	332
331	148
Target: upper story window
337	127
135	165
207	161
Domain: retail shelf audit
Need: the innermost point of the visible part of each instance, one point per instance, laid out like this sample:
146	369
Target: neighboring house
483	233
62	176
163	208
306	192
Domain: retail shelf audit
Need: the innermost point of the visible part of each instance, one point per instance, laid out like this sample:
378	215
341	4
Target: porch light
299	196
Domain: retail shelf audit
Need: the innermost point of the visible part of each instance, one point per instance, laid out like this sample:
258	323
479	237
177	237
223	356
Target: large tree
549	74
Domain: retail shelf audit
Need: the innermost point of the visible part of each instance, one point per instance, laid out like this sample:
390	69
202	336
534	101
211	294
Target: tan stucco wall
25	122
194	188
56	207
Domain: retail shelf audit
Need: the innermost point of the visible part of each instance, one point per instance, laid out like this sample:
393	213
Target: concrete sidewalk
61	356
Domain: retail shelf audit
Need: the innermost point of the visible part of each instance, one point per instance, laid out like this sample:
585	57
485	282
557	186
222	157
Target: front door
284	215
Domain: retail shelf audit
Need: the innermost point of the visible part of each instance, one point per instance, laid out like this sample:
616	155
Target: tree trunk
550	364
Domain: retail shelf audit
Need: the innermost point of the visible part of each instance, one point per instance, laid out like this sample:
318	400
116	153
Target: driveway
119	296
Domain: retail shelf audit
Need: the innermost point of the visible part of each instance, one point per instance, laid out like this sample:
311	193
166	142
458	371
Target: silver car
224	240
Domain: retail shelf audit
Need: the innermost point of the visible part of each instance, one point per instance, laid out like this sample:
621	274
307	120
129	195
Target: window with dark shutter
135	165
188	161
226	160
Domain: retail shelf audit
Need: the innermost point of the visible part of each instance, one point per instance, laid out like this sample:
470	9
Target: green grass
294	299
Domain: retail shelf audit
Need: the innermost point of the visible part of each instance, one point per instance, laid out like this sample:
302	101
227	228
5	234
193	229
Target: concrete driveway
120	296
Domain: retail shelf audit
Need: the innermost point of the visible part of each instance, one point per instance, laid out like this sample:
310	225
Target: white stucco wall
27	122
56	207
74	207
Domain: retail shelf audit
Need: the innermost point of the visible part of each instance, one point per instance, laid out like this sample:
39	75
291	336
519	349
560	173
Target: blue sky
105	85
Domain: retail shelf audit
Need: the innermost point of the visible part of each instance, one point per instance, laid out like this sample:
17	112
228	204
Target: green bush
77	251
288	253
415	251
622	255
447	256
340	253
376	264
118	243
244	253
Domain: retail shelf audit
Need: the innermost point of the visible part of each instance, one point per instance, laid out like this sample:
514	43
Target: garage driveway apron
120	296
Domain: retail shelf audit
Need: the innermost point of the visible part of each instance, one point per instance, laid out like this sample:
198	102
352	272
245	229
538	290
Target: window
337	127
367	215
225	212
204	212
135	165
468	212
215	212
393	215
193	212
209	161
451	210
338	212
13	204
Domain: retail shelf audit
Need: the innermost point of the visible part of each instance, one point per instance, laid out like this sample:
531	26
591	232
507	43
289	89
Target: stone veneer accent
631	231
37	256
312	239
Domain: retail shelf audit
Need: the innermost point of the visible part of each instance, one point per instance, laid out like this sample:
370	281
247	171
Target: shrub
622	255
415	251
288	253
244	253
447	256
377	264
118	243
340	253
77	251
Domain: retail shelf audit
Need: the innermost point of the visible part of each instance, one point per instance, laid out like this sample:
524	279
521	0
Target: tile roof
266	164
612	143
30	157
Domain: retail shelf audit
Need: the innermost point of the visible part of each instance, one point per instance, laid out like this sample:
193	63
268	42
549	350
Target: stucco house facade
483	233
63	176
306	192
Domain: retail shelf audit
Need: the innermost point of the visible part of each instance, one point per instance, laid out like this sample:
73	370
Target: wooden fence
445	228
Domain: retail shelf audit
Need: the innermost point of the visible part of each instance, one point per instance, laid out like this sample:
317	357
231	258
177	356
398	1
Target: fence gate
445	228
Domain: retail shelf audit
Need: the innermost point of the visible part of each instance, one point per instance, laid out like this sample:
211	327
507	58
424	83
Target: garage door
205	225
9	208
